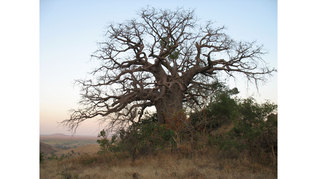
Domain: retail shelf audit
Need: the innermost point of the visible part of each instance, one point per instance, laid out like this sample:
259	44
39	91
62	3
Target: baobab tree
163	59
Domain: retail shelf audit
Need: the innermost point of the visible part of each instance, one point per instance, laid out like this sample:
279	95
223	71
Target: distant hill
88	149
58	134
67	137
63	142
46	149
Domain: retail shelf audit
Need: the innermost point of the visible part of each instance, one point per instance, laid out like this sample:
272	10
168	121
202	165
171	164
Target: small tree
222	108
105	144
41	157
254	131
163	59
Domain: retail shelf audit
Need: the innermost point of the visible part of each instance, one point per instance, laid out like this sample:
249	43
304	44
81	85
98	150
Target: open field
162	165
64	142
83	162
152	151
83	149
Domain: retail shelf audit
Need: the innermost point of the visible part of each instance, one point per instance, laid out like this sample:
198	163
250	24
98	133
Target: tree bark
170	104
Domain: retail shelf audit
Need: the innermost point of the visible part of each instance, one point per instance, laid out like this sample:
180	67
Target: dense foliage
143	138
254	131
222	109
234	126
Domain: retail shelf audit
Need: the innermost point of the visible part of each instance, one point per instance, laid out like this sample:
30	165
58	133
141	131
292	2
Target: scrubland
207	164
230	138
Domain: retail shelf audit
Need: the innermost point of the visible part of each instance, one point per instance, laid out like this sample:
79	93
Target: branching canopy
161	55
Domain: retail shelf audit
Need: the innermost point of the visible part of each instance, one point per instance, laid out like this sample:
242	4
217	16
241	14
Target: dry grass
163	165
85	149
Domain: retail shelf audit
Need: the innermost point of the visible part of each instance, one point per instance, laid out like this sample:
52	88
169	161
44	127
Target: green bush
255	130
256	124
105	144
41	157
223	108
146	138
143	138
252	128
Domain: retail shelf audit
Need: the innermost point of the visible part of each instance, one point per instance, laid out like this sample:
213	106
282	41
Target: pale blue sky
70	30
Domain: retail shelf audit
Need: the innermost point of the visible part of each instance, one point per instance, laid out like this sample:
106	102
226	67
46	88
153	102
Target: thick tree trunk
169	105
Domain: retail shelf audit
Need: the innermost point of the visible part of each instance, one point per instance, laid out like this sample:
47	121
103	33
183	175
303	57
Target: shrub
142	138
41	157
106	144
255	130
256	124
145	138
223	108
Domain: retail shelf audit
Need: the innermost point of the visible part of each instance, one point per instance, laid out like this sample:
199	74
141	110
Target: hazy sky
70	30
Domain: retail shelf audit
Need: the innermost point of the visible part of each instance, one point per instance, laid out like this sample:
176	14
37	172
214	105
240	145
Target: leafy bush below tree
252	130
143	138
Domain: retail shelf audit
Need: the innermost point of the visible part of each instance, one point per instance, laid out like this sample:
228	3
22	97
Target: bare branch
162	59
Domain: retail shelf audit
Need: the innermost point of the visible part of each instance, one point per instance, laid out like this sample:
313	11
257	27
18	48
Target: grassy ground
68	143
83	149
163	165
